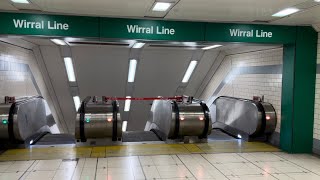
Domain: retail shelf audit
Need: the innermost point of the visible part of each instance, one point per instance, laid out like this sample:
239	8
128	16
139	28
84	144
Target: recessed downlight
161	6
212	47
286	12
58	42
21	1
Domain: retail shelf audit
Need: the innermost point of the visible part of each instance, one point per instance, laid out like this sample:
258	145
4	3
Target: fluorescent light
132	70
161	6
286	12
211	47
76	100
127	104
20	1
317	0
70	70
189	71
59	42
239	136
138	45
124	126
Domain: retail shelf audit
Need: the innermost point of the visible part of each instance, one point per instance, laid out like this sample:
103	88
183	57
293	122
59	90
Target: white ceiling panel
311	16
228	10
39	41
101	70
122	8
6	5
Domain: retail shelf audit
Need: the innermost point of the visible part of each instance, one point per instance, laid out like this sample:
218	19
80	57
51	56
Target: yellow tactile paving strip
133	150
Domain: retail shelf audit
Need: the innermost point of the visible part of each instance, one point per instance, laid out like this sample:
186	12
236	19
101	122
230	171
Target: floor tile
10	175
151	172
47	165
40	175
224	158
303	176
20	166
63	174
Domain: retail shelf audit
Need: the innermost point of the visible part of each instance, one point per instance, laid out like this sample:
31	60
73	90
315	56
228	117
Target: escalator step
138	136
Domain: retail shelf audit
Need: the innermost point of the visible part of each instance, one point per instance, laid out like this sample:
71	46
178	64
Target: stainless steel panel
243	115
30	118
271	118
163	117
4	115
192	120
98	122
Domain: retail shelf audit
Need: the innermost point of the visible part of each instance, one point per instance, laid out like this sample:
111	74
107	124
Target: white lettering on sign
250	33
150	30
22	23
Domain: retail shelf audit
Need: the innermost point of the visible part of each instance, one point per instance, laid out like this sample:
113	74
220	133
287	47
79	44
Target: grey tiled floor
233	166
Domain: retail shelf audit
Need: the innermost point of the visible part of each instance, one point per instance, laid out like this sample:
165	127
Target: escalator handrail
82	111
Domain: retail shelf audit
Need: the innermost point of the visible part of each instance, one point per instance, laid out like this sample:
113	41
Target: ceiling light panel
189	71
132	70
127	104
124	126
286	12
138	45
211	47
58	42
70	70
76	100
21	1
161	6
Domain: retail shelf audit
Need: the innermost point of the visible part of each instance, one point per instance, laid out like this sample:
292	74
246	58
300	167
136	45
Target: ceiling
193	10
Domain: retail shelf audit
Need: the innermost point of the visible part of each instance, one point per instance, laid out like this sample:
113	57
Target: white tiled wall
15	81
316	130
249	85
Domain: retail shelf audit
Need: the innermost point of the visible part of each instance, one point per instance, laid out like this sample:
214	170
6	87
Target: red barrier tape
177	98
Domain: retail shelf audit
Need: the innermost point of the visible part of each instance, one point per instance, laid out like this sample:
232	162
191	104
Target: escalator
140	136
245	119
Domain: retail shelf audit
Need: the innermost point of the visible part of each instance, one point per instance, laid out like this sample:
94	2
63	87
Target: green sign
250	33
151	29
48	25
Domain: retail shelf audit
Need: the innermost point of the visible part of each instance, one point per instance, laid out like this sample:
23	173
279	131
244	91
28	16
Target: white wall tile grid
316	127
249	85
15	77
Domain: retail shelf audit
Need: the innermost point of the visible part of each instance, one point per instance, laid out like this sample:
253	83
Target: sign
151	29
254	33
118	28
48	25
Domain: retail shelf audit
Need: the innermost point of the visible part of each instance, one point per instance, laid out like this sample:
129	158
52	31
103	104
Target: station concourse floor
220	160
